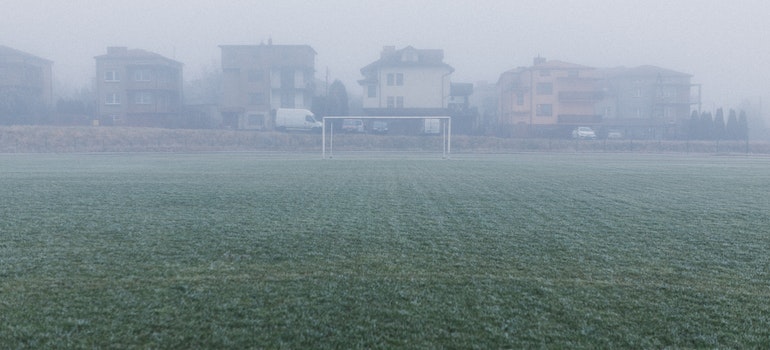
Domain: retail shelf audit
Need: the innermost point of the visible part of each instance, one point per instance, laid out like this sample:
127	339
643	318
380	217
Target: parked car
380	127
583	132
353	125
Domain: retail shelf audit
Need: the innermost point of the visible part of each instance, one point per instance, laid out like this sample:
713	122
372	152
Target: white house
407	82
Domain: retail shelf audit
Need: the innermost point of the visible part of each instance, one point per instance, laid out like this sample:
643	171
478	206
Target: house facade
259	79
138	88
646	101
550	98
26	85
408	81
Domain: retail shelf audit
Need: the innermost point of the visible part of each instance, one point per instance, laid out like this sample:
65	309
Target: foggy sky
723	44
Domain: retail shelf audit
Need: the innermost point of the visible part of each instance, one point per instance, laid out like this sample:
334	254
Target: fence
35	139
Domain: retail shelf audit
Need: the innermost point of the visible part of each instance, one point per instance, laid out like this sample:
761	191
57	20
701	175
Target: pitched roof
5	50
556	64
642	71
408	57
268	47
125	53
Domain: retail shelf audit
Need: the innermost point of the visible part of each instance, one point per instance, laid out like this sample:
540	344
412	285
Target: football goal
438	126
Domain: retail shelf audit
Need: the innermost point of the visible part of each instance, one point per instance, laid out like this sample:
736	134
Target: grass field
251	250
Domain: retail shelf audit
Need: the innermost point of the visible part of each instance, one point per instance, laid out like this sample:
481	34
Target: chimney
538	60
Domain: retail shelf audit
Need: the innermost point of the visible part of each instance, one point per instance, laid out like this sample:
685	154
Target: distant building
259	79
138	88
646	101
484	99
465	119
407	82
26	85
550	98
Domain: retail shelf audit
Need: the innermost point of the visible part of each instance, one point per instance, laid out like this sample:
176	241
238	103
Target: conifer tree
719	125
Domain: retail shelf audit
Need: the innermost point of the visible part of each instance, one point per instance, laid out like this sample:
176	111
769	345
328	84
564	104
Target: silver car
583	132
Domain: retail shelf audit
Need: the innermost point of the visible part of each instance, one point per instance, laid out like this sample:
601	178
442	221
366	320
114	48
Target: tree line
705	126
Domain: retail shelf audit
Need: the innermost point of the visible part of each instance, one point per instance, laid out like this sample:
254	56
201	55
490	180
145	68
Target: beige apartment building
259	79
550	98
135	87
25	82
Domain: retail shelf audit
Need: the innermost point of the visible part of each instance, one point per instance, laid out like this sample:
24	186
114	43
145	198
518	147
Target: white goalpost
445	131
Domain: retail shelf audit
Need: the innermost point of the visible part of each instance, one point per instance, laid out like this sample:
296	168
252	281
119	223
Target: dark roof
391	57
556	64
5	50
269	46
125	53
642	71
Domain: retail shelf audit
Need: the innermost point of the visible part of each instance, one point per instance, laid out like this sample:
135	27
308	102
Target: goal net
387	128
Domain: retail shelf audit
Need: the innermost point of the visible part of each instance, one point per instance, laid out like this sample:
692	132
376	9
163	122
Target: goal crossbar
446	132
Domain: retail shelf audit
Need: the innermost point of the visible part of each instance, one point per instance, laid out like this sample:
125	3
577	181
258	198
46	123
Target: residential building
550	98
26	86
465	119
138	88
259	79
407	82
646	101
484	99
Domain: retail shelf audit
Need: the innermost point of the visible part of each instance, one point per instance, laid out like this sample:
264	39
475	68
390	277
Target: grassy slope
238	250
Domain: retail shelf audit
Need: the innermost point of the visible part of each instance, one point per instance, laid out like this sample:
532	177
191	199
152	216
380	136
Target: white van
296	119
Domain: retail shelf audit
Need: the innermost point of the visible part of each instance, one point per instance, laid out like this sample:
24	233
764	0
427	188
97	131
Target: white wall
423	88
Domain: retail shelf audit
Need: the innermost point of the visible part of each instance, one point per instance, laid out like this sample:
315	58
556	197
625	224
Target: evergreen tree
706	126
732	131
743	126
694	126
719	125
334	104
338	99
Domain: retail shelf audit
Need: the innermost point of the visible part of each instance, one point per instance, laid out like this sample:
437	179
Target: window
142	75
143	98
371	91
111	75
391	102
112	99
544	110
573	73
545	72
638	92
520	99
399	101
395	79
544	88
